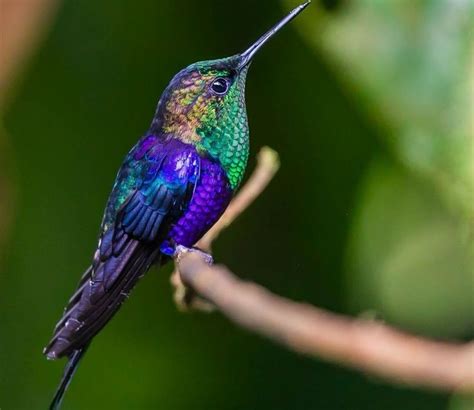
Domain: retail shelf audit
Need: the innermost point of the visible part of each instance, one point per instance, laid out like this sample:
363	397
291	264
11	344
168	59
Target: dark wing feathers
145	212
126	250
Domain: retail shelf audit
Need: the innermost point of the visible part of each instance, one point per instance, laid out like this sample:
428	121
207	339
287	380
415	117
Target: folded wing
152	190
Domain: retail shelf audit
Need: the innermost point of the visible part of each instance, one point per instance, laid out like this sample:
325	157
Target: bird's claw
182	250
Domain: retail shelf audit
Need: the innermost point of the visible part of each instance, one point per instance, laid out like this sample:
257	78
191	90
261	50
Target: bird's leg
185	297
182	250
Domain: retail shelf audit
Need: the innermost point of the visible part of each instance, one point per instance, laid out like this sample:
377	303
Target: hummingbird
173	185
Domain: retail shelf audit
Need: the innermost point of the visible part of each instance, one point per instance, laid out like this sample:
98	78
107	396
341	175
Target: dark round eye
220	86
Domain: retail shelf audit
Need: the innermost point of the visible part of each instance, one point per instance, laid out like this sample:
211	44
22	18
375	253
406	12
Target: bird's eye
220	86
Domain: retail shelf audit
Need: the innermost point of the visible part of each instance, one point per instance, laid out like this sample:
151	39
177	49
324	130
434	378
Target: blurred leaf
411	64
22	24
408	258
462	402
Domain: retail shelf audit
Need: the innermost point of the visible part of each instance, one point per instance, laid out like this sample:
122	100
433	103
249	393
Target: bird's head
204	100
204	105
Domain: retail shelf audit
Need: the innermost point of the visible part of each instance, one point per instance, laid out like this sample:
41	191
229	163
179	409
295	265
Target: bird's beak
246	57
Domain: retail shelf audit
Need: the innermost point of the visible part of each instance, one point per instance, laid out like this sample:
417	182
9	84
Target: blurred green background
369	104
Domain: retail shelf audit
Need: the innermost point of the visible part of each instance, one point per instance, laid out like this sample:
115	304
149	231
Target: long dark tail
69	371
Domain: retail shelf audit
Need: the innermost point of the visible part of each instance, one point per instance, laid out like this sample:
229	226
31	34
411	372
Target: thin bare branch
362	344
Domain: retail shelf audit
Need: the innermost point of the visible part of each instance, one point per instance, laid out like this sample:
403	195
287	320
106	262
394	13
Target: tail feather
69	371
101	291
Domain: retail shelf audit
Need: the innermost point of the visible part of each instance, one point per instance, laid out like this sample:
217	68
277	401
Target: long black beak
247	55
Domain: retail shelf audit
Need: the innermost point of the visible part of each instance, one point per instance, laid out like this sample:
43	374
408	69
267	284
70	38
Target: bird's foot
182	250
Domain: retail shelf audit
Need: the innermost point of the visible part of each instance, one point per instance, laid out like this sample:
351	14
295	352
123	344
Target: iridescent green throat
224	133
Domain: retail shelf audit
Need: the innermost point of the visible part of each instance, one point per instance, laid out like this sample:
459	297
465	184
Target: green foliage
408	258
462	402
408	64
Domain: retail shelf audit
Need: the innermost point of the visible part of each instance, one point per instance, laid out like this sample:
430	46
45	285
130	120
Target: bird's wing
152	189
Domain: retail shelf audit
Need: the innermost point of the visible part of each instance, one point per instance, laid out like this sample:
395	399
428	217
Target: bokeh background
369	104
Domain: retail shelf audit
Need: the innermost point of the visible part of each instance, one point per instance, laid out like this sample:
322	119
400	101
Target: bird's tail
69	370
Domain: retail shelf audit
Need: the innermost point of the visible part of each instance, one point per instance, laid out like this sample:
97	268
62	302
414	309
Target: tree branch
362	344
